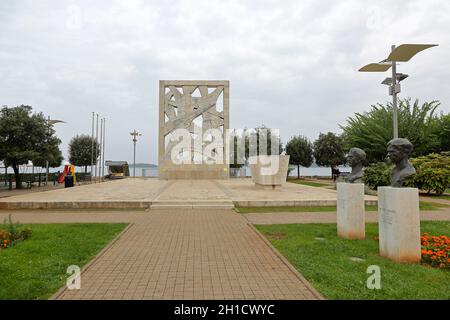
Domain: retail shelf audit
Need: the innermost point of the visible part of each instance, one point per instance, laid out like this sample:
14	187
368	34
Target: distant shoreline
144	165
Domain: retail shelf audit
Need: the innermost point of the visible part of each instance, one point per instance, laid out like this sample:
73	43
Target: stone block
350	211
399	224
269	171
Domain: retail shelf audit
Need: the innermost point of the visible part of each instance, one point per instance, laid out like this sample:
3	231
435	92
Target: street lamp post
50	123
134	134
394	96
401	53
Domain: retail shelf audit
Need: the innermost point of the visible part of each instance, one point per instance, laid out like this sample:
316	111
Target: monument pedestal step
78	204
189	204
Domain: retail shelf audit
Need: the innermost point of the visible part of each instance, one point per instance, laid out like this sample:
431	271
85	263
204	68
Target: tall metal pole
100	141
134	134
96	149
394	96
46	162
103	149
134	158
92	147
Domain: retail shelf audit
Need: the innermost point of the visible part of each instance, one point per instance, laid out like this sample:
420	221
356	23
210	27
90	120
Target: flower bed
11	233
436	250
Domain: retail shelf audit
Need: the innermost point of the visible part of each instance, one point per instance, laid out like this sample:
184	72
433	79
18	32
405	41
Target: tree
443	132
259	134
80	151
301	152
52	154
237	160
25	136
371	131
329	150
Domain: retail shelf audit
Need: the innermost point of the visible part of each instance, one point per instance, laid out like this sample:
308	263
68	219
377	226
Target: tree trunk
298	171
17	176
85	169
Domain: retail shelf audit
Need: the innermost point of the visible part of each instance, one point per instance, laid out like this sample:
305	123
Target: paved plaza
154	193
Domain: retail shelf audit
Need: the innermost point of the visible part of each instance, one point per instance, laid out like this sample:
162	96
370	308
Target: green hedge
377	174
432	173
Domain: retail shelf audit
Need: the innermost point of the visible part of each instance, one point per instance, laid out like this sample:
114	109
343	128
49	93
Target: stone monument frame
191	107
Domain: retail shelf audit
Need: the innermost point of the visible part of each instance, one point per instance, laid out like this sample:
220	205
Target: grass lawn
309	183
425	206
432	206
444	197
325	263
36	268
245	210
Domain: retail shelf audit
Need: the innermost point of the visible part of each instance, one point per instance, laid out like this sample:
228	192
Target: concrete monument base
269	171
171	171
350	211
399	224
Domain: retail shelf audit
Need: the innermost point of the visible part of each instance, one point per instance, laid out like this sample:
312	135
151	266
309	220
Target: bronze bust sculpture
356	158
398	151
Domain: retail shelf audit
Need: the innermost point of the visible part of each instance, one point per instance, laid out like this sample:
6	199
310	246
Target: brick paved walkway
190	254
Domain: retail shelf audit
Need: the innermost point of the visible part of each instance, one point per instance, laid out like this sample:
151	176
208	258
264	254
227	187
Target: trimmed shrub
377	174
433	172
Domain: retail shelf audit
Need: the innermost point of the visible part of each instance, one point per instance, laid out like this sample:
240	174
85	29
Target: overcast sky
292	65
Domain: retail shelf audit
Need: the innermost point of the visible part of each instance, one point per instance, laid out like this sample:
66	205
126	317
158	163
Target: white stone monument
197	107
399	224
350	211
269	171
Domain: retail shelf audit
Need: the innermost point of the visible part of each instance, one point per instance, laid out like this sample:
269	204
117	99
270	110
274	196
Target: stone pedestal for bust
350	211
399	224
269	171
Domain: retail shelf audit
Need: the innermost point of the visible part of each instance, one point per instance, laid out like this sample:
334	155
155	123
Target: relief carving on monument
197	108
